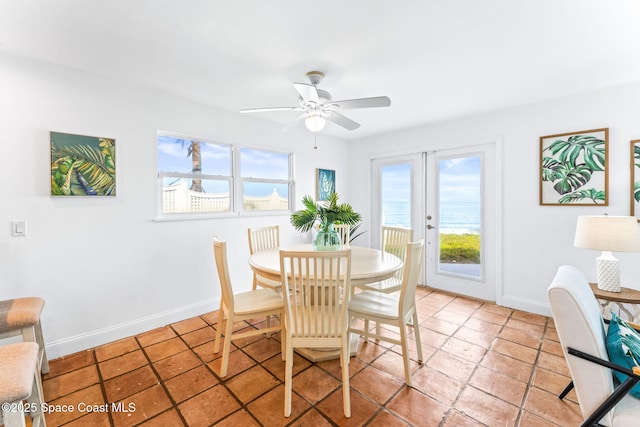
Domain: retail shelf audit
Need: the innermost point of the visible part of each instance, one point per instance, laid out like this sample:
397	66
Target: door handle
429	227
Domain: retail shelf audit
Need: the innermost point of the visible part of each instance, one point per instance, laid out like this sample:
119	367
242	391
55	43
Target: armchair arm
618	393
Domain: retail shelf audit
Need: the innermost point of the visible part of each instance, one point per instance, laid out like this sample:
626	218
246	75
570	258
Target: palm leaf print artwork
82	165
574	168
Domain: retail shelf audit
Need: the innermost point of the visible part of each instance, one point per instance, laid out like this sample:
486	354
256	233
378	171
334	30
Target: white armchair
583	338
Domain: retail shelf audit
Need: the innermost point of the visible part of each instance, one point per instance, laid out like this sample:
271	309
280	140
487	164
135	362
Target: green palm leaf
95	166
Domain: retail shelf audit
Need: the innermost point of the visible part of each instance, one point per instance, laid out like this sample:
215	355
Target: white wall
108	270
104	266
537	239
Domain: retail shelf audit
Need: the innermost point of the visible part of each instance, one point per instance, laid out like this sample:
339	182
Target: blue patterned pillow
623	347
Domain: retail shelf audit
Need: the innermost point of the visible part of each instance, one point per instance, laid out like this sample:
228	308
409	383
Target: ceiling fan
318	107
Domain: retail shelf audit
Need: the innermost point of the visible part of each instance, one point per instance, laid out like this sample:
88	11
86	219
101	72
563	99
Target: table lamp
608	234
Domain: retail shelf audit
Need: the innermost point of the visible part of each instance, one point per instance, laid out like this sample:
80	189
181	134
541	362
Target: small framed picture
635	178
82	165
325	183
573	168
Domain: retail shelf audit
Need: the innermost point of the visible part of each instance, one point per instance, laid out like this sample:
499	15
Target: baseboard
528	305
102	336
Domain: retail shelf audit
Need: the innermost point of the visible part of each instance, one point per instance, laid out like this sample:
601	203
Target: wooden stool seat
20	380
21	316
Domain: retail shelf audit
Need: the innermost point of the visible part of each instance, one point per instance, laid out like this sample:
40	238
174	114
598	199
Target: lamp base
608	272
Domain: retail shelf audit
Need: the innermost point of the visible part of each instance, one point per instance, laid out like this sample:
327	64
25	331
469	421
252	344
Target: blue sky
216	160
460	179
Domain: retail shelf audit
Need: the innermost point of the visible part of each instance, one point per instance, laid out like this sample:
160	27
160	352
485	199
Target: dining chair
20	380
394	241
260	239
242	306
21	316
316	286
398	310
344	231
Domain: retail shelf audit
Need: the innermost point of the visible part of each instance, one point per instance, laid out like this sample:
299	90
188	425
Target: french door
398	201
449	197
461	221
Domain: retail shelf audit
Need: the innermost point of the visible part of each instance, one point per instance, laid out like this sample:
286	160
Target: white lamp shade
608	233
315	123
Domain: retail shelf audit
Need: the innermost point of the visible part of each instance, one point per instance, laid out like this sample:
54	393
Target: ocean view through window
460	215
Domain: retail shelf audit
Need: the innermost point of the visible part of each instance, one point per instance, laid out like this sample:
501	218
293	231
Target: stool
20	380
21	316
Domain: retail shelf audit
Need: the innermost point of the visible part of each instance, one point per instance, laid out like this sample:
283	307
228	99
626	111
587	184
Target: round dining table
367	266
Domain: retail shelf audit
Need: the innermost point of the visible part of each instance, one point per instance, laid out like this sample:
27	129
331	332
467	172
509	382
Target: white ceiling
435	59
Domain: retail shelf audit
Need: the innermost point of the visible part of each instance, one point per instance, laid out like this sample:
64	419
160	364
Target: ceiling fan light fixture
315	122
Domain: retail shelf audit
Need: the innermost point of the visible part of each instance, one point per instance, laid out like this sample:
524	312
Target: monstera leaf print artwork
82	165
573	168
635	178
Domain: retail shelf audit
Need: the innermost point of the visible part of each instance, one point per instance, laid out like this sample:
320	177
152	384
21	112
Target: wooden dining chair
398	310
260	239
316	286
20	381
394	241
242	306
344	231
21	316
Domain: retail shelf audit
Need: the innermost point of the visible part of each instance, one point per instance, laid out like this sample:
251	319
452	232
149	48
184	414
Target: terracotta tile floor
484	366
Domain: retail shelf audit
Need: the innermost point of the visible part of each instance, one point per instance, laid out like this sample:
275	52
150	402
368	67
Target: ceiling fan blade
307	92
296	122
262	110
341	120
377	101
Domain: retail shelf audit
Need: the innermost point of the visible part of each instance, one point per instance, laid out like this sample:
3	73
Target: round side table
612	300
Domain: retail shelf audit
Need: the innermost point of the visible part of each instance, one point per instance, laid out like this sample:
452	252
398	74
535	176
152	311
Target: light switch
19	228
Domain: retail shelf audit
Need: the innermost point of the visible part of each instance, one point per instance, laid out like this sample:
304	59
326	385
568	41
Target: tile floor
484	366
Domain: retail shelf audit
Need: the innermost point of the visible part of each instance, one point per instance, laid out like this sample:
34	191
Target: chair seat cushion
626	413
389	285
20	312
17	369
375	304
257	301
623	347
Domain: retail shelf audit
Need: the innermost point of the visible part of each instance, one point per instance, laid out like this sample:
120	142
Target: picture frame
574	168
634	156
325	183
82	165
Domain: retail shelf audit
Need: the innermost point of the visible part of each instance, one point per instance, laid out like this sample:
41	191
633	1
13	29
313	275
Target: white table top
367	265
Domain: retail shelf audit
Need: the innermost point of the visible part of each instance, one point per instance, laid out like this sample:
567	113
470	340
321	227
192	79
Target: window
395	184
196	176
265	179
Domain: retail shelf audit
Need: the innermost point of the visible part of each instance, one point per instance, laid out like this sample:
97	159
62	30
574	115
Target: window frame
235	179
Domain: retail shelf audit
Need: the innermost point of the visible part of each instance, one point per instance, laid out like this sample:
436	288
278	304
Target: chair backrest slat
344	231
394	241
263	238
316	283
220	255
412	264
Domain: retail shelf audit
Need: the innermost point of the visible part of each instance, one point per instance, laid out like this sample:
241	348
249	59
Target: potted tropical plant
325	214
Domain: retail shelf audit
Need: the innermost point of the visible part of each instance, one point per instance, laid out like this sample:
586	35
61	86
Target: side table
612	300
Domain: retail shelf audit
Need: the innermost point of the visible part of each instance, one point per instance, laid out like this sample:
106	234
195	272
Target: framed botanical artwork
573	168
325	183
82	165
635	178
